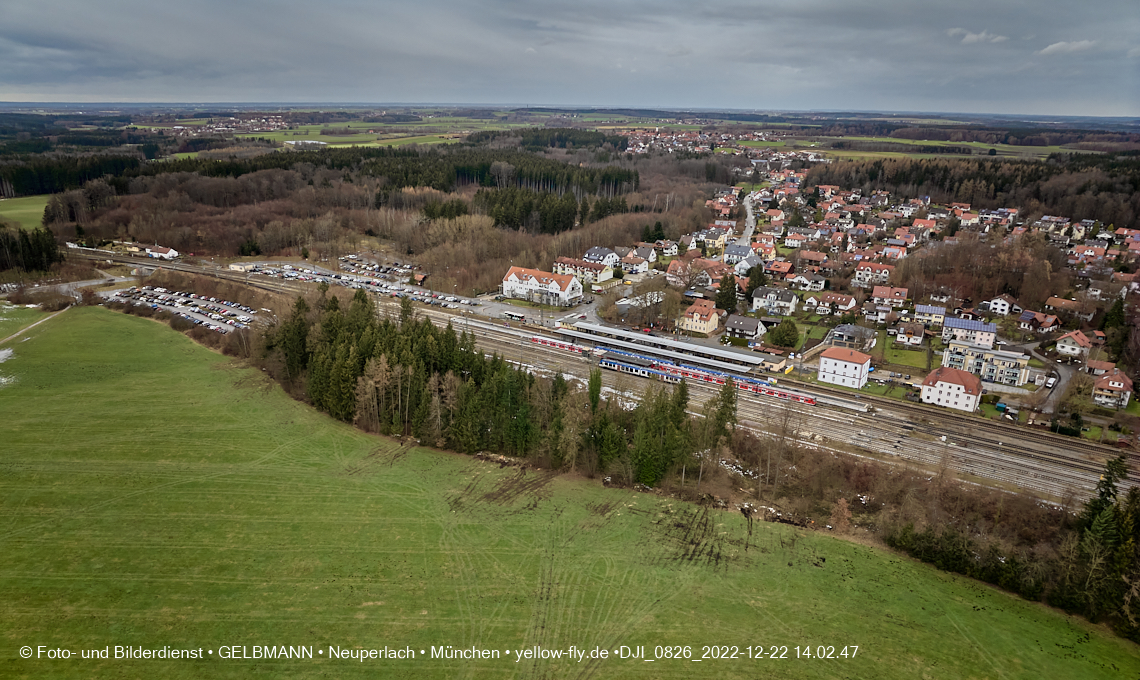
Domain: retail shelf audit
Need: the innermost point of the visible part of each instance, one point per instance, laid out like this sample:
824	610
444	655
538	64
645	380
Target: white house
952	388
602	255
744	266
1004	305
872	274
842	366
586	272
1113	389
774	301
546	288
1073	344
161	253
632	264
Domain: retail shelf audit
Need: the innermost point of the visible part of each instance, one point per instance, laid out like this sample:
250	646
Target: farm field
157	494
1001	149
27	210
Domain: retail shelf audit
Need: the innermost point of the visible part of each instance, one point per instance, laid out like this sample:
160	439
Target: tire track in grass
575	605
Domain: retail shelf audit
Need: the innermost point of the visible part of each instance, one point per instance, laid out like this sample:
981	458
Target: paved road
749	225
73	286
1064	372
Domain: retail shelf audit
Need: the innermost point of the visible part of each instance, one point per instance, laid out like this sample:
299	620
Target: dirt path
28	328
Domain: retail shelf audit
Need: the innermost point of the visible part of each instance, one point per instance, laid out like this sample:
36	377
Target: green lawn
28	211
1034	362
905	357
15	317
1094	433
156	494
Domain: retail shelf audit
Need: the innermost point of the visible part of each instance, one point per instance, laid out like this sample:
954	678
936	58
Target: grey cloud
1068	47
781	54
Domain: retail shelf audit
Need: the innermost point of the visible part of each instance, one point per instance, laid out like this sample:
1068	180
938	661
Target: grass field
905	357
153	493
1004	150
15	317
27	210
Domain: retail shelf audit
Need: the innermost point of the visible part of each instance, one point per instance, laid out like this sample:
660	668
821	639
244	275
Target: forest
34	251
560	138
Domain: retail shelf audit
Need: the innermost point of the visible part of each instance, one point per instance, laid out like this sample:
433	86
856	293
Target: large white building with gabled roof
561	290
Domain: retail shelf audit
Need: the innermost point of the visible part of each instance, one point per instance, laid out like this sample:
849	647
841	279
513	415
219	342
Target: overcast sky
979	56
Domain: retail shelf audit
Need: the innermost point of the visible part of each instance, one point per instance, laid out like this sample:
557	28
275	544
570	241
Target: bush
181	324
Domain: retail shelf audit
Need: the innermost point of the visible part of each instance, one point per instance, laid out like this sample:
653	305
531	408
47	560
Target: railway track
1037	465
1019	457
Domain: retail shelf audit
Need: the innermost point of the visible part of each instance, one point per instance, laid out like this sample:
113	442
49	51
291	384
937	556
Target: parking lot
213	313
384	279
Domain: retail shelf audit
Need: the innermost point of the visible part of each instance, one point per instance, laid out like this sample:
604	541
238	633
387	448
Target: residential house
931	316
161	252
1094	367
738	326
666	248
942	295
953	388
910	334
991	365
711	272
1074	344
852	337
876	313
602	255
1004	304
701	317
646	252
734	253
1038	322
869	274
842	366
778	270
1081	310
632	264
811	282
811	257
1113	389
743	267
973	332
776	301
586	272
891	297
795	241
838	302
546	288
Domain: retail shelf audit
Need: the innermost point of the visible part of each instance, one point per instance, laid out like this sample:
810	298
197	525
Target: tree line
406	376
31	251
544	212
1094	570
1104	188
30	175
559	138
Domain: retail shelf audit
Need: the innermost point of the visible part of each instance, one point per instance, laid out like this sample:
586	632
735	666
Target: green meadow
15	317
156	494
28	211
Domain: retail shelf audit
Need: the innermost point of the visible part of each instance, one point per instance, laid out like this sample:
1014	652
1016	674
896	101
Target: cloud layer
969	56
